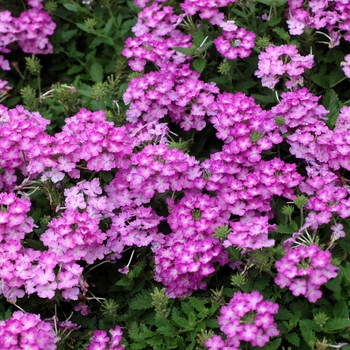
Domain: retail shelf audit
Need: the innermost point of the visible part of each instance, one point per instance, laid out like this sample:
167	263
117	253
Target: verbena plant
174	175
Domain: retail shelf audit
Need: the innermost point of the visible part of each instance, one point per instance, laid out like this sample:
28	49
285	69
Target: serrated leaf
177	319
341	309
273	345
282	33
166	330
124	282
96	72
334	284
307	334
187	308
330	101
141	301
265	98
273	3
199	64
212	323
243	86
37	245
321	78
293	338
71	7
140	332
198	304
198	37
183	50
128	24
285	229
83	27
283	314
67	34
336	324
108	27
75	69
273	21
294	320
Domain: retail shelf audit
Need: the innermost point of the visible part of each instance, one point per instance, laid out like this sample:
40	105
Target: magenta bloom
247	317
235	44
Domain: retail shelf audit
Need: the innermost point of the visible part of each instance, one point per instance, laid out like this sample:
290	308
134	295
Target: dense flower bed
264	200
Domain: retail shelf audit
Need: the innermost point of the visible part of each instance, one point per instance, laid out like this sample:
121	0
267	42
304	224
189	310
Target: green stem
338	82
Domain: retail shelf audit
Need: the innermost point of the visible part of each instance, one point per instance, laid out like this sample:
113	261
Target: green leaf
83	27
138	332
307	334
282	33
177	319
293	338
198	38
265	98
273	345
294	320
273	21
341	309
71	7
271	3
37	245
67	34
212	323
74	69
199	64
198	305
321	78
336	324
285	229
96	72
166	330
108	27
243	86
330	101
187	308
184	50
141	301
124	282
334	284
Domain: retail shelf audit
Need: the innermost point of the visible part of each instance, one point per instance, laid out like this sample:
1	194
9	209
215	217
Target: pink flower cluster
101	341
28	332
304	269
235	44
246	318
30	30
283	61
22	136
334	16
177	92
189	253
156	37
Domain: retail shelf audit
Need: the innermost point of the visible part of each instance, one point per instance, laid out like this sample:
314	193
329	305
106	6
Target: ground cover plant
174	174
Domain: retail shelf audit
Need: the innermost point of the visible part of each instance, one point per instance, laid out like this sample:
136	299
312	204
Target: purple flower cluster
101	341
156	37
235	44
282	61
28	332
304	269
30	31
246	318
177	92
22	135
334	16
188	254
